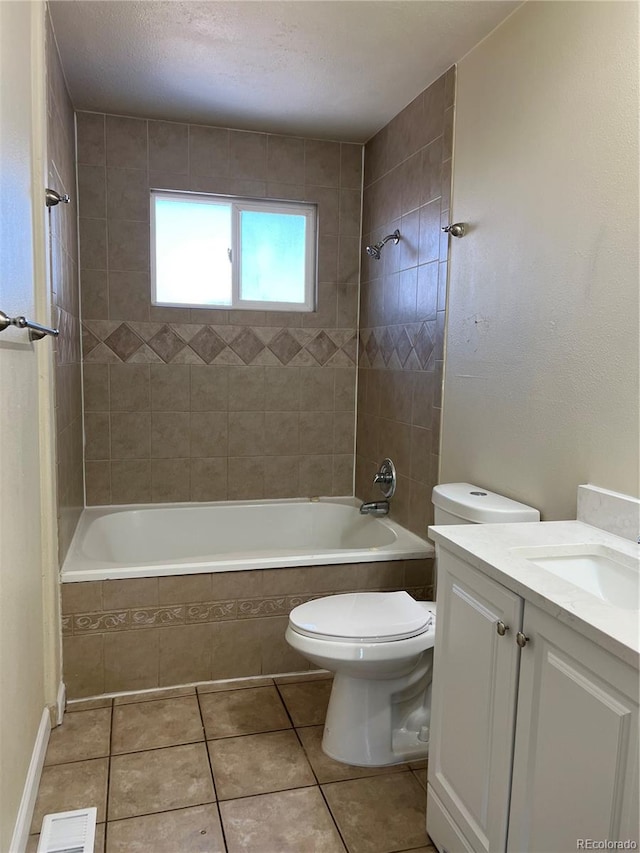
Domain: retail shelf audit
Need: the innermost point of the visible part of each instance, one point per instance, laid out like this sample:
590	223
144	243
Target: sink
604	572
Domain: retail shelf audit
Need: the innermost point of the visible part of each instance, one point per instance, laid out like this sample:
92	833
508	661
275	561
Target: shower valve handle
458	229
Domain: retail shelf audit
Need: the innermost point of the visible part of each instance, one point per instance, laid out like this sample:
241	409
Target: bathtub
158	540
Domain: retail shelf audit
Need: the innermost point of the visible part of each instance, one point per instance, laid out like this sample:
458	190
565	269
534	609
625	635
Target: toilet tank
464	503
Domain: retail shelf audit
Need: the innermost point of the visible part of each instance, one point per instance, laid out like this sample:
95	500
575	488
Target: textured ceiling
332	69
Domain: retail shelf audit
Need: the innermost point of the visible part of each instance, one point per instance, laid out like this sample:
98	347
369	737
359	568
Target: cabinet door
473	704
575	769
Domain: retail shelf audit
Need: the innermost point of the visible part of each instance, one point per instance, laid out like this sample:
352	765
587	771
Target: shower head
374	251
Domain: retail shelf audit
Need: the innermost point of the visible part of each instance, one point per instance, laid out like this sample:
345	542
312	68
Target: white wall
541	371
29	628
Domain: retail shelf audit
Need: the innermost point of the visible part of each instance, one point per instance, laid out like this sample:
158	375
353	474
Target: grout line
213	781
106	810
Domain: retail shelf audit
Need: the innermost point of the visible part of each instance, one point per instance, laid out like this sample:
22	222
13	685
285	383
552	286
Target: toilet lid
371	616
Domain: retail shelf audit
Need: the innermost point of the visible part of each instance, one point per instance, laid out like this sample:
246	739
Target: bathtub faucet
376	508
385	479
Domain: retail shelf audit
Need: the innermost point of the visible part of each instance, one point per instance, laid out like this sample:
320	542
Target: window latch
229	255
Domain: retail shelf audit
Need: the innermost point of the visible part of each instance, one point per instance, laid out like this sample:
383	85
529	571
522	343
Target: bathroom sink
601	571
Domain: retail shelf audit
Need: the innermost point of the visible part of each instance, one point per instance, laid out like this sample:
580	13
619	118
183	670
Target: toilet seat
369	617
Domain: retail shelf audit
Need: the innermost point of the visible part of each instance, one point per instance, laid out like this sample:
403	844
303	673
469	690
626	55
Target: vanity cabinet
534	730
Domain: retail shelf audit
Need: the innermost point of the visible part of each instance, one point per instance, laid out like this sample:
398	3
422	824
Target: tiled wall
65	298
211	404
407	185
156	632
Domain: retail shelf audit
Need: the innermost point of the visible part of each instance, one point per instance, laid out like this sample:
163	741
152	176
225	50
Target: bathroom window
211	251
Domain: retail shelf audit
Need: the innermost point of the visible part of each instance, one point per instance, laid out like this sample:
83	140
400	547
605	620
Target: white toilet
380	647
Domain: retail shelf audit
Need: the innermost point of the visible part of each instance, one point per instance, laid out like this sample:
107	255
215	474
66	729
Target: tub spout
376	508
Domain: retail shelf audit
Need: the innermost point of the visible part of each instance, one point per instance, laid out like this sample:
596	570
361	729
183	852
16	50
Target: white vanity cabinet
534	730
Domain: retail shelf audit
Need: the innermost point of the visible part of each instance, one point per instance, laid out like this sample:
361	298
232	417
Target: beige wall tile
129	384
322	163
95	294
131	481
281	476
316	475
170	391
127	194
128	245
209	388
218	160
281	433
81	597
185	654
351	165
91	138
343	465
246	433
247	155
170	480
209	434
277	654
168	147
130	435
97	436
209	479
92	191
236	648
285	159
131	660
93	243
98	483
208	150
83	665
316	432
170	435
245	478
126	142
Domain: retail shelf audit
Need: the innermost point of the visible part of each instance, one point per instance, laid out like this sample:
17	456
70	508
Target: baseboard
61	702
30	792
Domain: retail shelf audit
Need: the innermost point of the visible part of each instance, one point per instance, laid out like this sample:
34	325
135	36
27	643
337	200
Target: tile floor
229	766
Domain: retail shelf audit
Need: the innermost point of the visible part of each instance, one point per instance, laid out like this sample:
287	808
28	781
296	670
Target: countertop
488	548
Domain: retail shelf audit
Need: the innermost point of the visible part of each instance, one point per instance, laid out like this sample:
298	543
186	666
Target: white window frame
237	206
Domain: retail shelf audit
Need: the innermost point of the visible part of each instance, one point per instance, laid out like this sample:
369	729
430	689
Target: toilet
379	645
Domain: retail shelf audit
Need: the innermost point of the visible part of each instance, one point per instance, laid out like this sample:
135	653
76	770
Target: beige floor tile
287	822
81	736
307	701
258	764
243	712
88	704
293	678
152	695
194	830
65	787
149	725
234	684
328	770
379	814
421	776
160	780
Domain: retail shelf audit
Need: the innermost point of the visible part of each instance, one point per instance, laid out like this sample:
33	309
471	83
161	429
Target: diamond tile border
107	342
413	346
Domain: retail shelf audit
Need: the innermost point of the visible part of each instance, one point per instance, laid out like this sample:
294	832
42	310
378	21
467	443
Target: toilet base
380	722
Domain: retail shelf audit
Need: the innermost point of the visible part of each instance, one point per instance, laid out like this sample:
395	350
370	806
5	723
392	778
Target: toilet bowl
379	645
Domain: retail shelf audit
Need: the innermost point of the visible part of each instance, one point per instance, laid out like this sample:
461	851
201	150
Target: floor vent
68	832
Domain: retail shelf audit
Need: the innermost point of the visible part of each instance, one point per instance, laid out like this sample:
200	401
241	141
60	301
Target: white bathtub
152	540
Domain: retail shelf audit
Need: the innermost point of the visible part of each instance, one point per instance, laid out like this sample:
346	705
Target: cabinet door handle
501	628
521	640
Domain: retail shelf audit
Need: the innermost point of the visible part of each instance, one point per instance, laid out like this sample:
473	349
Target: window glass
192	259
220	252
273	257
